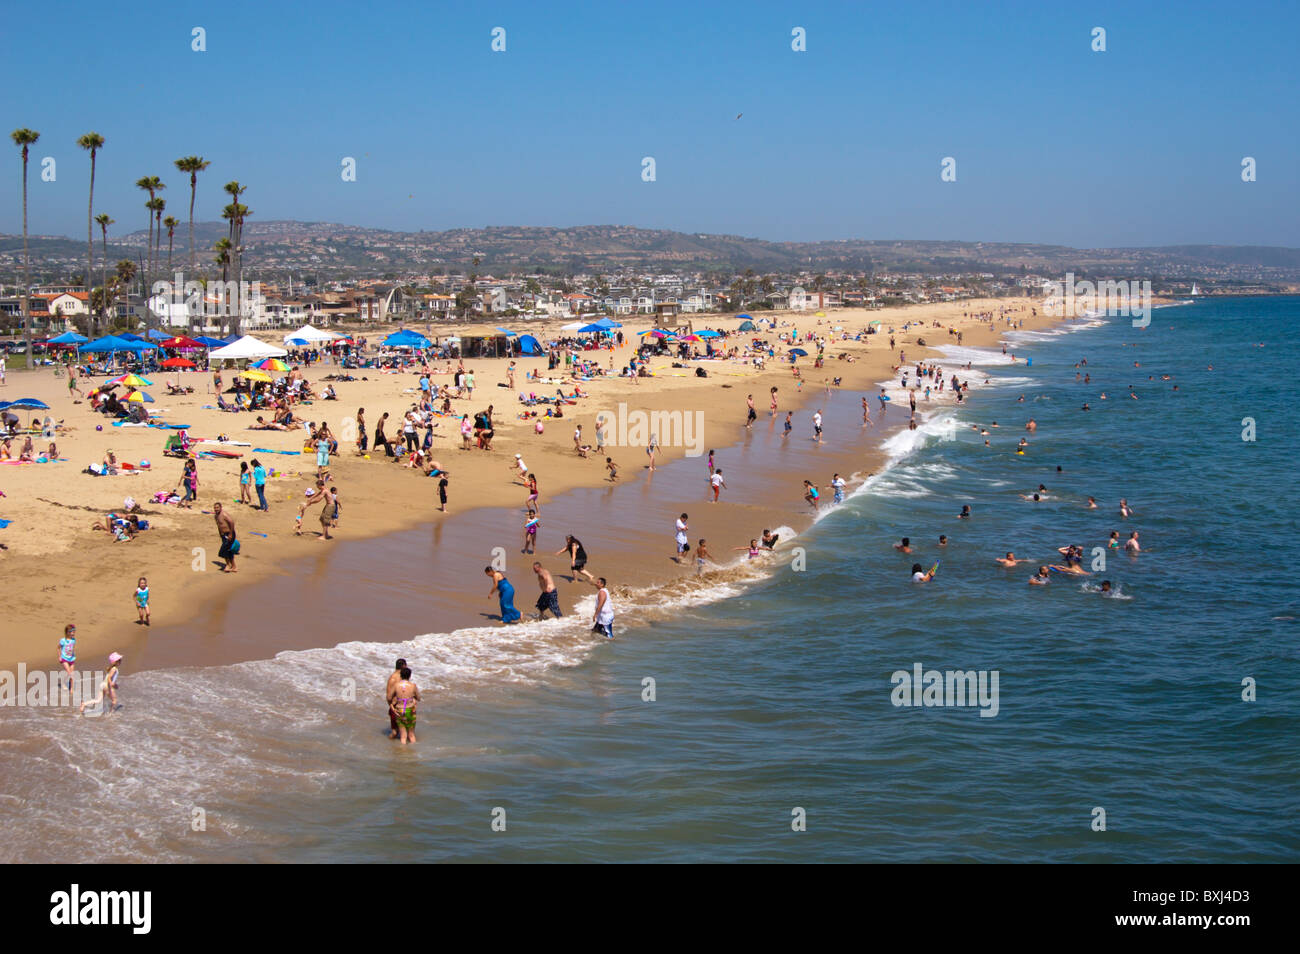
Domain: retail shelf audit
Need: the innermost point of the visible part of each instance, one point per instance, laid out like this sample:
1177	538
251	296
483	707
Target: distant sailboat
1195	291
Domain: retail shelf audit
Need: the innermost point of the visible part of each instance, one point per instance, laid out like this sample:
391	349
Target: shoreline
217	623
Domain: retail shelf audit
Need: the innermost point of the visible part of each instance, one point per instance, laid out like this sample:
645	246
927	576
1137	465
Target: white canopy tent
573	326
308	333
246	347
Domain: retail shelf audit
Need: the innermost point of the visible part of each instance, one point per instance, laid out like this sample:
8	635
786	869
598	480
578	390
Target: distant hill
346	250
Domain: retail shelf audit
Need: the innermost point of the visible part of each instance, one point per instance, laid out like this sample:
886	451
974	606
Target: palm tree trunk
104	298
148	268
27	272
90	233
194	184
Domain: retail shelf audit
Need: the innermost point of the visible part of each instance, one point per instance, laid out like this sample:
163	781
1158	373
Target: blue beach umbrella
708	333
29	402
799	351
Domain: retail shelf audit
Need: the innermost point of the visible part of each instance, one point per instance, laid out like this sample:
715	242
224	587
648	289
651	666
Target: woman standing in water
505	592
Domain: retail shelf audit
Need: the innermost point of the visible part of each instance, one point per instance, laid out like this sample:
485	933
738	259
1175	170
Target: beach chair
225	406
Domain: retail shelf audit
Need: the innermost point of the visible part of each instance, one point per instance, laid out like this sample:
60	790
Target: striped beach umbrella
132	381
139	397
271	364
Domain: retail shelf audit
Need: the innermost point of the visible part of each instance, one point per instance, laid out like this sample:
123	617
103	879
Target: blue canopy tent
594	328
68	337
407	339
507	332
155	335
128	336
608	323
107	345
529	345
708	333
210	342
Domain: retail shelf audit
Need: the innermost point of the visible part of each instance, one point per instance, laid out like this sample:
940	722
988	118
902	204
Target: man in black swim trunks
550	597
229	542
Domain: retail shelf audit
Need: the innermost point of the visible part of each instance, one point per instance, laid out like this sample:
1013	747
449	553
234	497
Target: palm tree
193	165
153	185
104	222
159	206
94	142
171	222
237	214
24	138
155	206
222	248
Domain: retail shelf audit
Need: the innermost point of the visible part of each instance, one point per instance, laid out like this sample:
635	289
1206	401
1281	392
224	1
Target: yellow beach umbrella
255	375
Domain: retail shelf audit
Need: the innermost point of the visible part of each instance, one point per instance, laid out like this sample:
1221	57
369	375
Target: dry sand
57	570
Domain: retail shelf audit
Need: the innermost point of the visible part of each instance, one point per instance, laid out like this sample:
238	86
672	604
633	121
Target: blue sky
1140	145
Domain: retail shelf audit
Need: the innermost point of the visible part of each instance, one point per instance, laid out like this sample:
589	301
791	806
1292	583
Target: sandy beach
294	592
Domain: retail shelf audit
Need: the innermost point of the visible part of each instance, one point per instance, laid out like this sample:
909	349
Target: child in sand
142	601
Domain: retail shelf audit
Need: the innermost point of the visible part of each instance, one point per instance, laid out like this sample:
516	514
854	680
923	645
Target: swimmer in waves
1010	560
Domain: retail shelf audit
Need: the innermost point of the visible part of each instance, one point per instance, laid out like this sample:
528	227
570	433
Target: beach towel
5	523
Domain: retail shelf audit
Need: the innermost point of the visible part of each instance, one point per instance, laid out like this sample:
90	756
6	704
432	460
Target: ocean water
772	696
